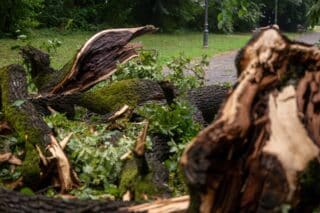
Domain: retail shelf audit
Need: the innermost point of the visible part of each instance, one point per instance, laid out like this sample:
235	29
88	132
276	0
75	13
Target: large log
31	128
250	159
16	202
132	92
208	100
19	203
94	62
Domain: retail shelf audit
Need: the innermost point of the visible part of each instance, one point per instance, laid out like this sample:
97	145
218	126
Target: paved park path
222	68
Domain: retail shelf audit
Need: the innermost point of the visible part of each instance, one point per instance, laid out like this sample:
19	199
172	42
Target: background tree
224	15
19	14
314	12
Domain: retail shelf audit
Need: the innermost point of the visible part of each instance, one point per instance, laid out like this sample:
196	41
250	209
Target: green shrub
144	67
19	14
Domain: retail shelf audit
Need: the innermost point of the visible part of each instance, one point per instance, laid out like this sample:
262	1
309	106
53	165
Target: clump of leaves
175	122
10	143
51	45
182	71
95	154
185	73
144	67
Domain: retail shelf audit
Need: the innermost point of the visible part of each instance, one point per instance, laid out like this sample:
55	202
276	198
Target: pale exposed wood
63	166
116	39
173	205
139	149
65	141
119	113
10	158
250	159
289	140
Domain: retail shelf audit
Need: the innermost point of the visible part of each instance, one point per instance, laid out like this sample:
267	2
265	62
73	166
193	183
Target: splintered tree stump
94	62
262	150
29	125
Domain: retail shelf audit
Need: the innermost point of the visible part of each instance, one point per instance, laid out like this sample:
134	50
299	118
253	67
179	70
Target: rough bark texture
23	117
208	100
95	61
132	92
31	128
14	202
250	159
262	150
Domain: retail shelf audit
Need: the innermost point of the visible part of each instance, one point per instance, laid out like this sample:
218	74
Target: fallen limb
94	62
251	157
28	123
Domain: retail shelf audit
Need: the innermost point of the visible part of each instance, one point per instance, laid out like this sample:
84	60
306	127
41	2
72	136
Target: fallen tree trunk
94	62
134	92
262	150
16	202
208	100
29	125
257	154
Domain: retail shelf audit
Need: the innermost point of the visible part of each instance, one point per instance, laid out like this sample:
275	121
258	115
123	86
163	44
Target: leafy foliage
51	45
145	66
186	74
175	122
19	14
15	146
95	153
181	70
169	16
314	12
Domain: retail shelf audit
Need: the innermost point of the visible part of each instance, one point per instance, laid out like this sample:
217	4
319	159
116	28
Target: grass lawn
168	45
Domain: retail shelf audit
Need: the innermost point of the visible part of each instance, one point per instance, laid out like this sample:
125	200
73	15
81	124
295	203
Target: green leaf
18	103
27	191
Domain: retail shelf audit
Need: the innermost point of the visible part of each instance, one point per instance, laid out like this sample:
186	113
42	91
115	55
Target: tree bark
94	62
16	202
31	128
250	159
208	100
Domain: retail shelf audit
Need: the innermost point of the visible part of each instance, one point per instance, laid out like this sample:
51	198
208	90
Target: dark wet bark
246	160
94	62
208	100
13	202
24	119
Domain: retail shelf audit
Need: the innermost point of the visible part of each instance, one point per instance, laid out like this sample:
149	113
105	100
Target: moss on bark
111	97
23	117
140	186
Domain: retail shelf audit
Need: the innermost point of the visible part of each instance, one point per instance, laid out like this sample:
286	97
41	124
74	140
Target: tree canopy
225	15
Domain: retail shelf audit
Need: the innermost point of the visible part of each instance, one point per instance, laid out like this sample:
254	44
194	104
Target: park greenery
60	27
95	148
225	15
